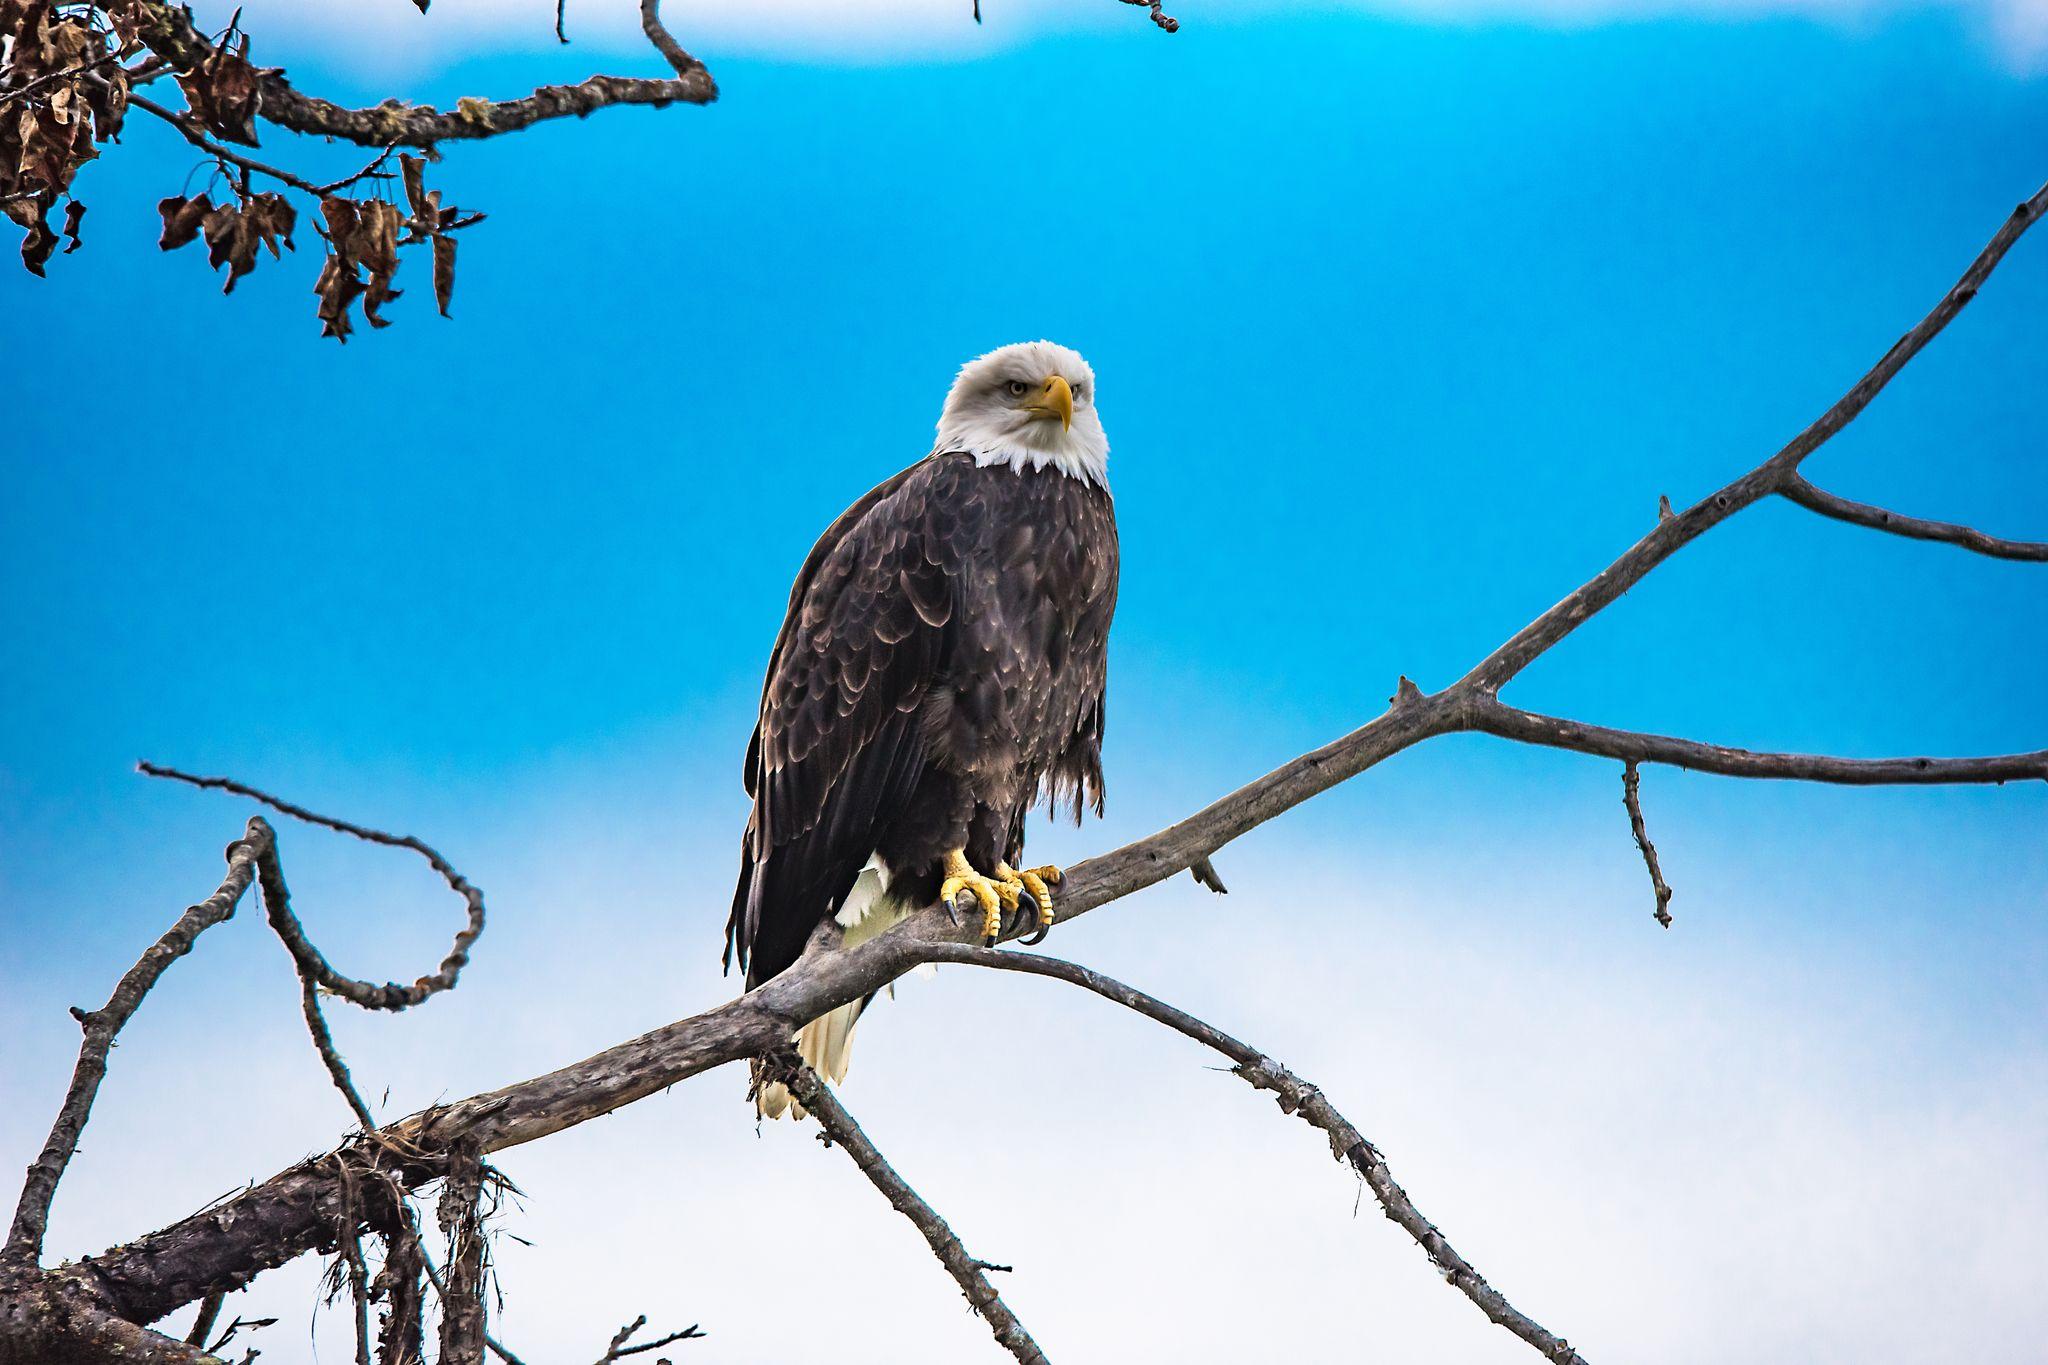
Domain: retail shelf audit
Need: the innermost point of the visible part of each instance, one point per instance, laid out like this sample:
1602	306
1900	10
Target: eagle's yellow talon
988	893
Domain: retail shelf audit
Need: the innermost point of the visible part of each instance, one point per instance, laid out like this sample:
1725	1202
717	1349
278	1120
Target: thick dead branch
1305	1102
401	1338
1797	489
462	1296
1632	801
170	34
967	1272
32	1213
1494	717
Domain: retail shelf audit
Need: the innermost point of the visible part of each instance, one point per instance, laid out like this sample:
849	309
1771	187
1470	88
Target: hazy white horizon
390	36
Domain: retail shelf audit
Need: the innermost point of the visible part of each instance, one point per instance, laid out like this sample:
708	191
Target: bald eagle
940	671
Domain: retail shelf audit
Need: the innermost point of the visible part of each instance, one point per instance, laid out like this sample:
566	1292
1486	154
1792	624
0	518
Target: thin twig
619	1350
1798	490
191	134
365	173
348	1239
1632	798
7	96
1305	1102
823	1105
32	1213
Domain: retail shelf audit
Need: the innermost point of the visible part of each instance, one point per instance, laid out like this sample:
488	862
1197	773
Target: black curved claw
1044	928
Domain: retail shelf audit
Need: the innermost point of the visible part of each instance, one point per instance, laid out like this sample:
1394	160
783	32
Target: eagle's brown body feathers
941	668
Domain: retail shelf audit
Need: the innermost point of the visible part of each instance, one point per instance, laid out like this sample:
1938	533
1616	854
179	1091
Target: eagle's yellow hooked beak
1057	400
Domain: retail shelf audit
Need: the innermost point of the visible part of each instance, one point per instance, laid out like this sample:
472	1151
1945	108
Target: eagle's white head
1028	404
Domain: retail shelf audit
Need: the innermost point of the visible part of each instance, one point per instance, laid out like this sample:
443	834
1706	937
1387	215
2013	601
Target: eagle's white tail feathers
826	1044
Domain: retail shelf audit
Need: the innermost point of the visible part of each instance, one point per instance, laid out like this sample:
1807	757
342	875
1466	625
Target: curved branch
967	1272
1490	715
277	900
1305	1102
664	41
1813	499
32	1213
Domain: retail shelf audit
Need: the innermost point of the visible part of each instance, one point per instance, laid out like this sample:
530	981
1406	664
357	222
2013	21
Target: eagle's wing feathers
839	741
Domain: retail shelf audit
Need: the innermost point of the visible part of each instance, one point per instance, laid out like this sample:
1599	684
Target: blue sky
1403	324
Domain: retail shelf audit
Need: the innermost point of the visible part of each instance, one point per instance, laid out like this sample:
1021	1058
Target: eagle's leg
1037	881
990	894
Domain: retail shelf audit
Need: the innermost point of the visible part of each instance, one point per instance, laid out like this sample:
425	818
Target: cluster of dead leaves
363	237
60	94
232	232
222	91
63	90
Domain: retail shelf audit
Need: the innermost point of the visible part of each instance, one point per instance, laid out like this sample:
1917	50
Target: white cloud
389	36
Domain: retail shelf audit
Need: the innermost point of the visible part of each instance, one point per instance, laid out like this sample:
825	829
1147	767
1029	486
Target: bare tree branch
209	1313
1305	1102
619	1350
190	132
462	1298
1165	21
1632	800
665	42
1494	717
1798	490
840	1128
170	34
32	1213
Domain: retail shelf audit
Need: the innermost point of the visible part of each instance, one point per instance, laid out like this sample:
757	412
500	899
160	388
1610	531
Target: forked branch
1813	499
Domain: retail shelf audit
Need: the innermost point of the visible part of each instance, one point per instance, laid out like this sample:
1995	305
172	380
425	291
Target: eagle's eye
1018	388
